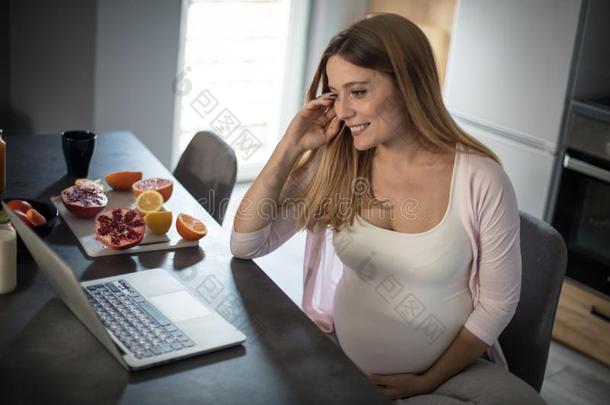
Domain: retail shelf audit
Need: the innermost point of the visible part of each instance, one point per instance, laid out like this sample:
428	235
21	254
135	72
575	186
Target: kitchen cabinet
530	169
517	70
507	80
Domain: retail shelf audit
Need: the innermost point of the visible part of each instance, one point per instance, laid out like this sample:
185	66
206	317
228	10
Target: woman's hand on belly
463	351
396	386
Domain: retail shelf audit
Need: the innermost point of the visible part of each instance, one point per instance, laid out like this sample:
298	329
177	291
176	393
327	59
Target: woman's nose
343	110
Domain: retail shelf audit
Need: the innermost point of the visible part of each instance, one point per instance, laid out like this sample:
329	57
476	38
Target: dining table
48	356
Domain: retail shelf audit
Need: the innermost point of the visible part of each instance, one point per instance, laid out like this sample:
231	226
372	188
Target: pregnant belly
402	334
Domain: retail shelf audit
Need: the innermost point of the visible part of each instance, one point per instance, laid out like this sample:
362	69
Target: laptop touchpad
179	306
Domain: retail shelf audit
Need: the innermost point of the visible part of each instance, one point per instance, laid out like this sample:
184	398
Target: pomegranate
85	201
163	186
119	228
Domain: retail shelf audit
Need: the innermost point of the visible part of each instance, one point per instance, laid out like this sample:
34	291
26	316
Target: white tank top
403	297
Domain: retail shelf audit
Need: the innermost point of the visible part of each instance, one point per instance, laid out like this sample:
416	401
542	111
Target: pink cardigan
488	210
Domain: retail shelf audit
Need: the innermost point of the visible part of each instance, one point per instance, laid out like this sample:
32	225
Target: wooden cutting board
84	228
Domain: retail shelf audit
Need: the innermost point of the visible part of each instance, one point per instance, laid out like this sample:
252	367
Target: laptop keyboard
139	326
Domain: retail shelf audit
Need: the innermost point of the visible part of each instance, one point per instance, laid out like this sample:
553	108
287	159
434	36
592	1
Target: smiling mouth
358	129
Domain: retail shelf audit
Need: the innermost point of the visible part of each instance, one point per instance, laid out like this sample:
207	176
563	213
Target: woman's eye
358	93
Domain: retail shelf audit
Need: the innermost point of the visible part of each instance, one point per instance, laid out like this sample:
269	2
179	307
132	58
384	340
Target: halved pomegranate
84	201
119	228
163	186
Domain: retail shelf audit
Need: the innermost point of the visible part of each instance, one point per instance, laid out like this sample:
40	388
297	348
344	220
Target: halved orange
122	181
35	217
190	228
164	186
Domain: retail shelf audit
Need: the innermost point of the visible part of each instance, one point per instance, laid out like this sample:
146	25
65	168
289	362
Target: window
241	75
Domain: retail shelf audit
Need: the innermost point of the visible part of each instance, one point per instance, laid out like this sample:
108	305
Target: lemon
159	222
149	201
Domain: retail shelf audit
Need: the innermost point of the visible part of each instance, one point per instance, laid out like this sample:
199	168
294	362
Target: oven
582	209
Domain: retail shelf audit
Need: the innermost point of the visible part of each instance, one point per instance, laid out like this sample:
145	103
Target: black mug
78	148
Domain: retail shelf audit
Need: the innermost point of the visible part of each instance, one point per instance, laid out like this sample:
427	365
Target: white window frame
293	85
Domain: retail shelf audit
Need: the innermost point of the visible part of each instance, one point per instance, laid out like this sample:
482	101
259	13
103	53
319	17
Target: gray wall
87	64
4	64
593	67
51	65
136	62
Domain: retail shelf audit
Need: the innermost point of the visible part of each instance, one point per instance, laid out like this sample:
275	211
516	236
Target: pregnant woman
412	255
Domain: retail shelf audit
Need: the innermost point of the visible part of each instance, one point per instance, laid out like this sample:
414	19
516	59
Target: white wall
137	45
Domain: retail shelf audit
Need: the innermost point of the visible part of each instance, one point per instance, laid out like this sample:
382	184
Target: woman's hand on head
314	125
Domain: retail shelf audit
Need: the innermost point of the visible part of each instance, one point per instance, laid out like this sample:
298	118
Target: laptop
143	319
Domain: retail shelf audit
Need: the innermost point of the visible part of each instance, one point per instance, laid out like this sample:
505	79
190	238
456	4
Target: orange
149	201
122	181
164	186
35	217
19	205
190	228
159	222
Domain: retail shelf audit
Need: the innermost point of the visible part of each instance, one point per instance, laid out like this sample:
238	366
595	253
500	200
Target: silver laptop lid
63	281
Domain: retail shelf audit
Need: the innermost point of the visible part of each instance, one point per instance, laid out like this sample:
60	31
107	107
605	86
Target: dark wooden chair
207	169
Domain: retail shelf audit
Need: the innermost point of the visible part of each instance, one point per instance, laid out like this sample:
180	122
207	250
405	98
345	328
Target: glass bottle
2	163
8	259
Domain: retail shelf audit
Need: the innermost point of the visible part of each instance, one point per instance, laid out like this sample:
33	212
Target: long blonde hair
388	43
